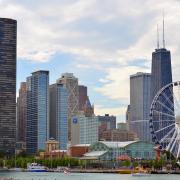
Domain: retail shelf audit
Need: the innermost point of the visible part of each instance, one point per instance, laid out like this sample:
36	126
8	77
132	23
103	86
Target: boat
16	169
66	171
139	174
178	163
34	167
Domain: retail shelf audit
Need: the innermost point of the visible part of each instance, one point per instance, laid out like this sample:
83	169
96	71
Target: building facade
8	33
140	101
70	82
37	126
162	75
106	122
59	114
84	129
22	113
161	72
118	135
109	151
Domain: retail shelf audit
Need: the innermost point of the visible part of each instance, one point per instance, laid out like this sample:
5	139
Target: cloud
115	37
117	86
118	111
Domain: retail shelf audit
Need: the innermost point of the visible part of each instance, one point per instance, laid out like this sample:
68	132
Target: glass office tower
59	114
37	111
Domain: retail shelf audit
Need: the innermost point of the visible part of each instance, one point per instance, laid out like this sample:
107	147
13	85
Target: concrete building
70	82
140	100
118	135
84	126
22	113
82	96
106	122
8	31
37	127
59	114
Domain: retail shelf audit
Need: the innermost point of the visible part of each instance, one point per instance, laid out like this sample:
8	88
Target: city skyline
102	52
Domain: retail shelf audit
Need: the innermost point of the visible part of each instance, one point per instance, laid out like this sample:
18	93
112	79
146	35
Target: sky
102	42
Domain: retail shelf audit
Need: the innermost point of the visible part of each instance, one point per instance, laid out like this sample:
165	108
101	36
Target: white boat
178	163
140	174
16	169
34	167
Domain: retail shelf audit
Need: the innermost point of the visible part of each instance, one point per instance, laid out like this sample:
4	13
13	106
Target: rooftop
111	144
95	153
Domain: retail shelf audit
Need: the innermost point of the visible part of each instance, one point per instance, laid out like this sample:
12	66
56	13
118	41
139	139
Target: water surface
83	176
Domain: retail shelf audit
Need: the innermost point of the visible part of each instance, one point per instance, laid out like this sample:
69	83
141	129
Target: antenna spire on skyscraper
157	37
163	31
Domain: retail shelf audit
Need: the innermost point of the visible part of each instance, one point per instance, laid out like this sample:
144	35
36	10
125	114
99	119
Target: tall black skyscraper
8	29
161	67
161	76
161	70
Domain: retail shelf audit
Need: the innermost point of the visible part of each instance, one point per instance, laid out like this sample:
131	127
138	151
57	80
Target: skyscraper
161	70
8	31
59	114
161	66
37	129
22	113
140	101
82	96
70	82
161	76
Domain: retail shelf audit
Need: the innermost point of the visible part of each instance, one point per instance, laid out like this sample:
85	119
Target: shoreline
103	171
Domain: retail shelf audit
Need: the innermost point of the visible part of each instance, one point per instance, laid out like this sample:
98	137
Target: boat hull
37	170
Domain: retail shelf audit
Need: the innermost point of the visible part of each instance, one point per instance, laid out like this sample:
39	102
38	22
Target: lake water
84	176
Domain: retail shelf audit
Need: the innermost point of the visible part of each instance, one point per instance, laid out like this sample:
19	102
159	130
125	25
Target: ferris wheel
165	118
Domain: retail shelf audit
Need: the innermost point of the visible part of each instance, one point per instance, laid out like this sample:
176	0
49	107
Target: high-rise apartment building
140	100
22	113
70	82
82	96
8	31
59	114
37	128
